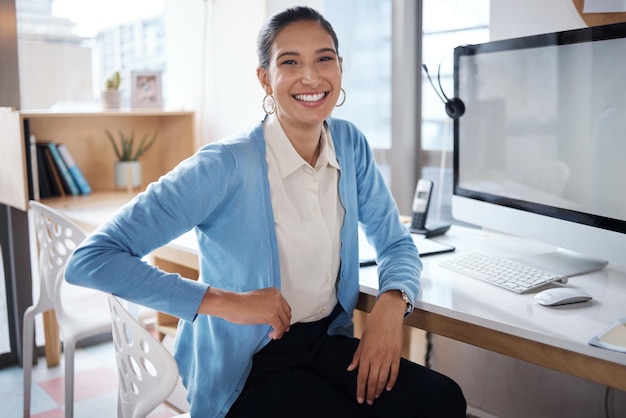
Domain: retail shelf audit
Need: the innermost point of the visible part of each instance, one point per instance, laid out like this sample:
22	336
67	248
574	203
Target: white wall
515	18
66	80
235	95
211	53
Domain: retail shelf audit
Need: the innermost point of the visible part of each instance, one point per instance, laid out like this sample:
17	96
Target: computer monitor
541	149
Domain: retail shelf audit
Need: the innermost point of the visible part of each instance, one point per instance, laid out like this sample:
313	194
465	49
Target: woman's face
304	74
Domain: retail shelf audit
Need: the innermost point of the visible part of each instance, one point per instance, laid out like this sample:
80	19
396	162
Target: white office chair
146	370
80	312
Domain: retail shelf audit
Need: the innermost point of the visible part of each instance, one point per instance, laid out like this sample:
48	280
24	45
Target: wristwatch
409	306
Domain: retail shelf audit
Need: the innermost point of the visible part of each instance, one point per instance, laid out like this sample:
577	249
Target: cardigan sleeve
399	265
111	259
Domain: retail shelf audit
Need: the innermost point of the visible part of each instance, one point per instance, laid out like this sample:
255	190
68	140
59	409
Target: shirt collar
287	159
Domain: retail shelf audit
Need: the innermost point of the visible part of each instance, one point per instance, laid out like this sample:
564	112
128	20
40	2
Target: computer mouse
561	296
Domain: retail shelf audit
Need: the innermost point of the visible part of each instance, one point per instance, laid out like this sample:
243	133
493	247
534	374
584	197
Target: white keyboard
503	272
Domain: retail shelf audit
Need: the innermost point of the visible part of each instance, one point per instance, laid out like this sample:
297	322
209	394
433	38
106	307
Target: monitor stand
565	262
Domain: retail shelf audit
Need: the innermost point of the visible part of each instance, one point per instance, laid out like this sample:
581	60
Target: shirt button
327	278
315	209
322	311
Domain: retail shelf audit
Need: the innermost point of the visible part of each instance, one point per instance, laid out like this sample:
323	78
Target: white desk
484	315
474	312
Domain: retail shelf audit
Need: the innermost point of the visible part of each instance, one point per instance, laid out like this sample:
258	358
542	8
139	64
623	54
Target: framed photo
146	89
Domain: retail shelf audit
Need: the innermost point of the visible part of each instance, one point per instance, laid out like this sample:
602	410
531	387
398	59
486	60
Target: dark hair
279	21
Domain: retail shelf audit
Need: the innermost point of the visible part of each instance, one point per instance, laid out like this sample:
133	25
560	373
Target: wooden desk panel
587	367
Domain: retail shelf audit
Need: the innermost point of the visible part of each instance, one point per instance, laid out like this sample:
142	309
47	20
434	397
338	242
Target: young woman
267	330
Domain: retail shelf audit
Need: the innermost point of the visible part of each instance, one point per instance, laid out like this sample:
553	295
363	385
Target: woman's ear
261	74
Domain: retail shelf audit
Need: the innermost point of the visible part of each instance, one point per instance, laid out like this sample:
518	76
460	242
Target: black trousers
304	375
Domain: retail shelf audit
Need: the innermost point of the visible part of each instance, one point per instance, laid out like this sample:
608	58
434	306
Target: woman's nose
310	76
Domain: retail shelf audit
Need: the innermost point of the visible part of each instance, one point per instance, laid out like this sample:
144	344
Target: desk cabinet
83	134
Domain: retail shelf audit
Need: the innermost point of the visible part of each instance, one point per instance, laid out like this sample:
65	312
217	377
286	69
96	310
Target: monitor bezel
591	34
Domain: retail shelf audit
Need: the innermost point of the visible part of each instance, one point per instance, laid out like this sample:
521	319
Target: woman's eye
289	62
324	59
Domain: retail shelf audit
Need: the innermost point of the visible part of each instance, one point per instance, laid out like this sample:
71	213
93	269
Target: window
81	43
380	44
446	24
364	34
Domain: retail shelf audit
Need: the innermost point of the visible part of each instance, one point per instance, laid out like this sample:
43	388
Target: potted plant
111	96
127	151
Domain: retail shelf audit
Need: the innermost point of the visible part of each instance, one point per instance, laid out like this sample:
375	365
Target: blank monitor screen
545	126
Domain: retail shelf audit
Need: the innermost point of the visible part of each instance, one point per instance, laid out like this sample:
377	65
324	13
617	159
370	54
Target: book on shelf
49	173
75	172
34	167
56	177
30	161
67	181
45	190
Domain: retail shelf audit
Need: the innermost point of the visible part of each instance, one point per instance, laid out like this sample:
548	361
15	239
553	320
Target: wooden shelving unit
83	134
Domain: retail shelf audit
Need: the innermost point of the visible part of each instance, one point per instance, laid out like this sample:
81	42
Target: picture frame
146	89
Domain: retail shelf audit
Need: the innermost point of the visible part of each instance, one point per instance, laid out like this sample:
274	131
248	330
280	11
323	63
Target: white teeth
309	97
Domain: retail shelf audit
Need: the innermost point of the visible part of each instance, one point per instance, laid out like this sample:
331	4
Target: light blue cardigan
223	193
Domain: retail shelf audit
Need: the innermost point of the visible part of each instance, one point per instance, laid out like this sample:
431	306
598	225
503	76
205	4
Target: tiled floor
95	387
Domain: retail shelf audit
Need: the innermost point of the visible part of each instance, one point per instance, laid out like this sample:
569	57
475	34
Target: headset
454	106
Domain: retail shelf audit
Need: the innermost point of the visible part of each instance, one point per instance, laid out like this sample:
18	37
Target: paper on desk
612	338
425	246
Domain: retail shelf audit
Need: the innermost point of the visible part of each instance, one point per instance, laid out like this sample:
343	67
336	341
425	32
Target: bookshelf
83	135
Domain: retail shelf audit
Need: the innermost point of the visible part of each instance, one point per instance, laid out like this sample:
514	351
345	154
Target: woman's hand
378	355
263	306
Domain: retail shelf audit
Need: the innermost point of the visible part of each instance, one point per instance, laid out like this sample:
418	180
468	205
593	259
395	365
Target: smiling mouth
310	97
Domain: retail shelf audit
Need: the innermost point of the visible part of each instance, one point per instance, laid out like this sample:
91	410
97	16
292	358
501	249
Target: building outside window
364	34
79	44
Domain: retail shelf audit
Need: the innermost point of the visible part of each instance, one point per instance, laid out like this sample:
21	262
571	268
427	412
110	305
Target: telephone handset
421	203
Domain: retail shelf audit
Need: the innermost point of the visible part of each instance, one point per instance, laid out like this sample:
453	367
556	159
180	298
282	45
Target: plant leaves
125	149
144	146
118	153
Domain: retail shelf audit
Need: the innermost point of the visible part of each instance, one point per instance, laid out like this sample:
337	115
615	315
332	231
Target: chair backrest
146	370
57	237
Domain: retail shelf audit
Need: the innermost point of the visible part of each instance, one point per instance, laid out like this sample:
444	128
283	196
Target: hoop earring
344	98
269	104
